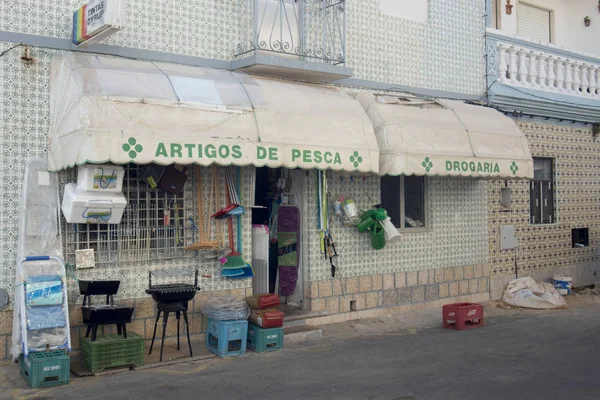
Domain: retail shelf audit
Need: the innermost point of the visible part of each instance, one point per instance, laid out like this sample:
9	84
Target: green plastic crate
46	369
109	351
261	339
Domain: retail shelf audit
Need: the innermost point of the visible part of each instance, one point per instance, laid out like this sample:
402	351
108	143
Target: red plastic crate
461	316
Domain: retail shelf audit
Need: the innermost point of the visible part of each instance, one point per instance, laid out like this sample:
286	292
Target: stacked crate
265	330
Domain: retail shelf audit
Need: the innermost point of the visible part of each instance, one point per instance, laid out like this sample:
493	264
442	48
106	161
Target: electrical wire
10	49
169	79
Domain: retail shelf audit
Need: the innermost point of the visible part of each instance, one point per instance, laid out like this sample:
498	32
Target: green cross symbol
356	159
514	168
132	148
427	164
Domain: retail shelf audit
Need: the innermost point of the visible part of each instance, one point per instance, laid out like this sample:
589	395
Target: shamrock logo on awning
132	148
356	159
427	164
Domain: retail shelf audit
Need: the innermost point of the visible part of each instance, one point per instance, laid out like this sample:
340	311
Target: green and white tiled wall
545	247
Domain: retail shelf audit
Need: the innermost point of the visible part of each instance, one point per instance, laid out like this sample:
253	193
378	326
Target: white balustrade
543	75
526	67
585	82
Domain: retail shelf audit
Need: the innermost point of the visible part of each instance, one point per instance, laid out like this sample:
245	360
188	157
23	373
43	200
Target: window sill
542	225
413	230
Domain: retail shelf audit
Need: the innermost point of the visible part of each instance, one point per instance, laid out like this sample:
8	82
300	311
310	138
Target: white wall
568	29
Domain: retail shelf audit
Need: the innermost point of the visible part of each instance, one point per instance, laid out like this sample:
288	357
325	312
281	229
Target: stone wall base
380	312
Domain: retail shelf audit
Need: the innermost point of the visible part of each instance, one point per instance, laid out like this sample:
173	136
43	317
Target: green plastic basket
46	369
110	351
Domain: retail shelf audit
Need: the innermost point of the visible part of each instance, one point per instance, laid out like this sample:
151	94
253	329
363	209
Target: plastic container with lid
101	178
80	207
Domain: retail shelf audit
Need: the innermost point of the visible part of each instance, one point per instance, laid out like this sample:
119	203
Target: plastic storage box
261	339
227	338
46	369
109	351
102	178
92	207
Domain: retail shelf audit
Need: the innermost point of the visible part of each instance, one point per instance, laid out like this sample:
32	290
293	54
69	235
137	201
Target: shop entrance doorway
277	232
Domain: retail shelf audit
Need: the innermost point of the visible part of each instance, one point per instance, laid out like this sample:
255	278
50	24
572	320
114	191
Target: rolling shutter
494	14
533	22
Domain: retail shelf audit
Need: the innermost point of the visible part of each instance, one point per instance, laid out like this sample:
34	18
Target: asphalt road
548	355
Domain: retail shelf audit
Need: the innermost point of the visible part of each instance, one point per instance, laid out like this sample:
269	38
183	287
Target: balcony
293	39
542	79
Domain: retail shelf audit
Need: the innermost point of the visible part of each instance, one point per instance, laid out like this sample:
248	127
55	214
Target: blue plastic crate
227	338
264	339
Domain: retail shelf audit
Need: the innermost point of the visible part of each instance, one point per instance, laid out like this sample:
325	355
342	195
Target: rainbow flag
80	25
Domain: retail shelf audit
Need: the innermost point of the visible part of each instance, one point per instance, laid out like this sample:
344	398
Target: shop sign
468	167
97	20
267	155
464	166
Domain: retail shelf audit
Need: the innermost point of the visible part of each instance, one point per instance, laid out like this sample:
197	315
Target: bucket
391	233
562	283
378	236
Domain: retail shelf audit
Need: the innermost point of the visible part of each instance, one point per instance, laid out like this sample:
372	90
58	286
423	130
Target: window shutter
533	22
494	14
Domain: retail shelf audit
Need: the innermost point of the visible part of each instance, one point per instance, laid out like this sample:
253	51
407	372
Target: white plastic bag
525	292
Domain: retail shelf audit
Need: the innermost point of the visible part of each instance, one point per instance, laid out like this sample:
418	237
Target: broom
233	267
248	272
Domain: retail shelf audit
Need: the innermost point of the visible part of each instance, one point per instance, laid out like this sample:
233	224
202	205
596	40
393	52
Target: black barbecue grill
171	297
107	314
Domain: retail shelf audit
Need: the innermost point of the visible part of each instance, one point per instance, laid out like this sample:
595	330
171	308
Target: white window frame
402	205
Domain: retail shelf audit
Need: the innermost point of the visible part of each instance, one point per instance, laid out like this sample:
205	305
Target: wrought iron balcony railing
311	30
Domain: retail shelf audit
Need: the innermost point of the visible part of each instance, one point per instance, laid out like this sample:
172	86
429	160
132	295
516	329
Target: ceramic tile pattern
577	182
24	112
444	53
457	234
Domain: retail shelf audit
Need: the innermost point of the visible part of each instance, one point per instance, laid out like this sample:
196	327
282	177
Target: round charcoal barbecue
171	298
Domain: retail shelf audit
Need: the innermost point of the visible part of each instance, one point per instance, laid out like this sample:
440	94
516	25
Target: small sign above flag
97	20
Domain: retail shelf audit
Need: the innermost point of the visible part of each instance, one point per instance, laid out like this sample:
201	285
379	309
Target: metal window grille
152	227
542	192
312	30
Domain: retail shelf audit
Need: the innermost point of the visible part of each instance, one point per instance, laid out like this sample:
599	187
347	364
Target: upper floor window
404	199
542	192
494	14
534	22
